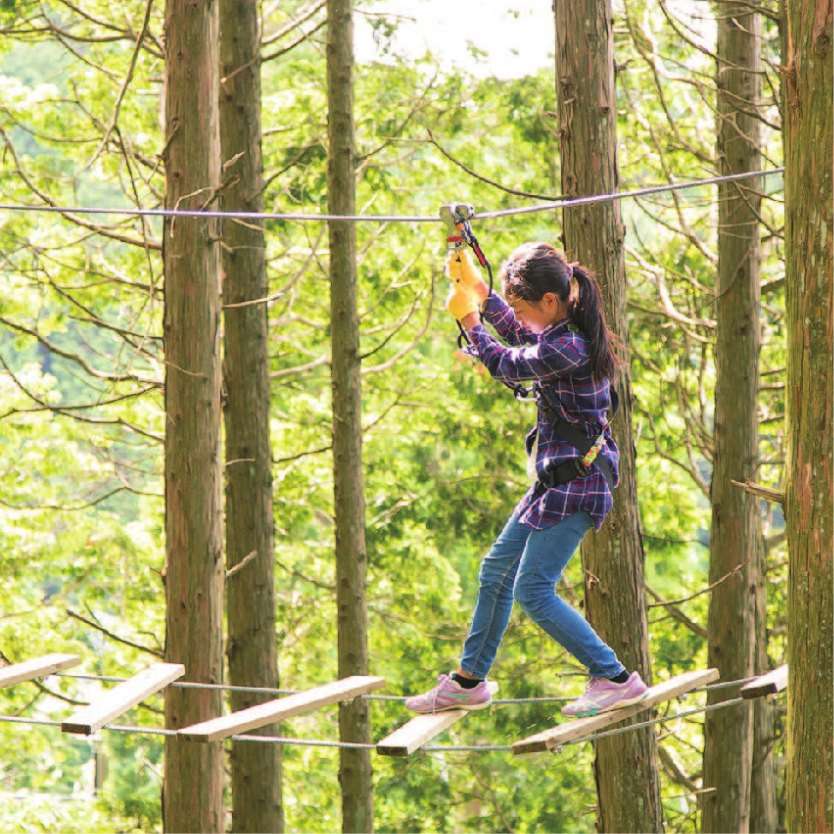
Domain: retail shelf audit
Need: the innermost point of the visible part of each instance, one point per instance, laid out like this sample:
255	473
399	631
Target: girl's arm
500	315
539	361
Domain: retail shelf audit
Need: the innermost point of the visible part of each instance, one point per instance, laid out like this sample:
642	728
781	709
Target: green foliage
82	414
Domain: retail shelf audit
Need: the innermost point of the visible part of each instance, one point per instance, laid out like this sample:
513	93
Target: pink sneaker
449	694
603	695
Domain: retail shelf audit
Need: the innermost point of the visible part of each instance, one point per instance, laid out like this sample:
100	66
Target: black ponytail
535	269
587	311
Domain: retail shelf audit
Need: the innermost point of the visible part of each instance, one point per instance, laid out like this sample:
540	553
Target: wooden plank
573	730
267	713
768	684
121	698
413	735
36	668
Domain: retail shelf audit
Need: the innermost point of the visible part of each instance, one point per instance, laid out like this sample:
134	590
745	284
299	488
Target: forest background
82	411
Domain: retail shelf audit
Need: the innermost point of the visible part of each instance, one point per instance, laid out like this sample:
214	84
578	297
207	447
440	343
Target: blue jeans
525	565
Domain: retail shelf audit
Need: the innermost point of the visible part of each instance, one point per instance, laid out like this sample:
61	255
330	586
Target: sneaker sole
619	705
450	707
493	688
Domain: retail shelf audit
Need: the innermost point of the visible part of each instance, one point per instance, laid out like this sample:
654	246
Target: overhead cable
387	218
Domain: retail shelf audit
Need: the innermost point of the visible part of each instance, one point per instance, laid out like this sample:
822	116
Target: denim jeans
525	565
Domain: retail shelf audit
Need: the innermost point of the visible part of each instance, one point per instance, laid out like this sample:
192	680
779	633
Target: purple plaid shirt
557	360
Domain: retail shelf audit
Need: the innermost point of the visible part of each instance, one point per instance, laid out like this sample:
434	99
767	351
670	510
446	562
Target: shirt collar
557	329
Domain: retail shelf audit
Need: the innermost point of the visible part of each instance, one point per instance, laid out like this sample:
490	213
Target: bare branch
706	590
765	493
68	410
676	613
75	358
303	16
127	79
297	42
100	628
300	369
66	213
675	771
548	197
241	564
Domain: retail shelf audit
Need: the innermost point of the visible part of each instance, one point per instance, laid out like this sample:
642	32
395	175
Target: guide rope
387	218
265	690
434	748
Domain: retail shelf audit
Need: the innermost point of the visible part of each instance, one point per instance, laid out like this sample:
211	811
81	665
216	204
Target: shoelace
593	687
435	693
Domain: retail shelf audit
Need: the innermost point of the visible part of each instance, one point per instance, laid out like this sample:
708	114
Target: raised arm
541	361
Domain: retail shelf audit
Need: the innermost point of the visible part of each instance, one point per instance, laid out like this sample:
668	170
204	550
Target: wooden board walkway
575	730
267	713
413	735
420	729
36	668
121	698
768	684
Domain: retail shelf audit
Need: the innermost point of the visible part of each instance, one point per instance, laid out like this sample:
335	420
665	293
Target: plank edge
444	721
192	733
542	742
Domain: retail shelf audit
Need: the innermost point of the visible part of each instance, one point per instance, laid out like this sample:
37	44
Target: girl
554	323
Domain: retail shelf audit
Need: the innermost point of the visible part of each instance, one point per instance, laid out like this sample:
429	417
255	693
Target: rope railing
357	745
434	748
264	690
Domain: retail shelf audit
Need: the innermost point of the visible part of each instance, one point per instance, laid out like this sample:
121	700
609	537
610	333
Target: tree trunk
355	773
250	593
737	615
625	765
193	792
809	489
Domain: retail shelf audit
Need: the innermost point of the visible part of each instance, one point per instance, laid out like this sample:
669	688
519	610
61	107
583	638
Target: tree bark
193	791
625	766
737	614
807	130
250	592
355	773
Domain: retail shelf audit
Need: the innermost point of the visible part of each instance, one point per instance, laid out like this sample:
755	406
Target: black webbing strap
573	468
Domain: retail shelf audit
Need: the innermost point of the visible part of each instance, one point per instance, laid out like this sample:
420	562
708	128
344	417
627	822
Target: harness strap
588	447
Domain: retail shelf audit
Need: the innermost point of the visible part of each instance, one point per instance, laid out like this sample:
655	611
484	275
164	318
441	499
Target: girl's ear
550	298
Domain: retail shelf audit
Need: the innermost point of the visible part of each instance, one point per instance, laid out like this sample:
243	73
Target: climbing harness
459	233
588	447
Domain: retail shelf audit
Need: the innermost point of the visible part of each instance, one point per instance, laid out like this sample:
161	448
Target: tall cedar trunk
625	765
737	615
250	593
193	791
809	489
355	772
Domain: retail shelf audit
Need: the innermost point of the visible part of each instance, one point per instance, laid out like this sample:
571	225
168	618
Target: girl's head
543	289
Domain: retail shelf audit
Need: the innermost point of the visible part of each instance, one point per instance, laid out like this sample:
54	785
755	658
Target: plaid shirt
557	361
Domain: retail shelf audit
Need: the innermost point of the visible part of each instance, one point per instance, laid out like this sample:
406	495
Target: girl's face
537	316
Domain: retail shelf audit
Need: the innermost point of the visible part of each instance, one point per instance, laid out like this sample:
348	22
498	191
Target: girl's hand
461	270
461	302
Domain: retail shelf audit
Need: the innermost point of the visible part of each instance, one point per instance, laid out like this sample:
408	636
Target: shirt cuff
479	337
493	307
